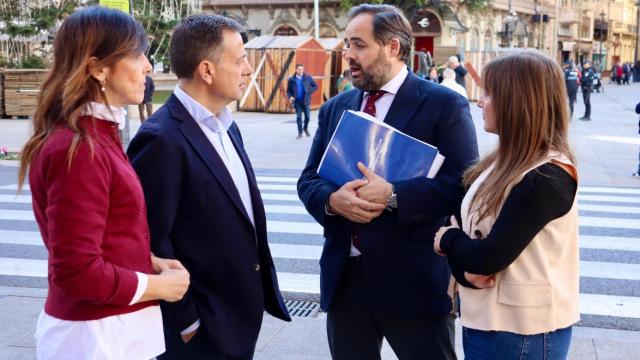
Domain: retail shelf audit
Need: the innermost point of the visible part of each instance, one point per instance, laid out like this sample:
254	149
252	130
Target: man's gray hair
448	74
388	23
454	59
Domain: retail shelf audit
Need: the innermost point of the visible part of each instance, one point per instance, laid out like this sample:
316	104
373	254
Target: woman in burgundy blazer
104	282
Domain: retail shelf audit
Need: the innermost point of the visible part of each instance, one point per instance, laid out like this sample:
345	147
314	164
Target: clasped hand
361	201
479	281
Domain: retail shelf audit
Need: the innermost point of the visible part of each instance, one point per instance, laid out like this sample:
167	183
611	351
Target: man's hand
345	202
377	190
160	264
292	99
481	281
187	337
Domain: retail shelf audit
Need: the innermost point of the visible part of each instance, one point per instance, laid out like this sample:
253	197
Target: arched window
475	40
461	46
285	30
488	40
327	31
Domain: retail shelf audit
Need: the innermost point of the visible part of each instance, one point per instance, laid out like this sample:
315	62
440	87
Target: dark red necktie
369	108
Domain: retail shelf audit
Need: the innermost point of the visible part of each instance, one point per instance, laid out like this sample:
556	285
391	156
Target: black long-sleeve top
544	194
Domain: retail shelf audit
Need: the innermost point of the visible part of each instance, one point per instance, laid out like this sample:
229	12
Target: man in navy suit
204	207
379	274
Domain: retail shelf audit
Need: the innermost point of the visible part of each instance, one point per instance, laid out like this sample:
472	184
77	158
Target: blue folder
359	137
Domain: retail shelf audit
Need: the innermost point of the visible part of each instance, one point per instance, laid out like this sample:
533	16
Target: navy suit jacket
196	216
404	278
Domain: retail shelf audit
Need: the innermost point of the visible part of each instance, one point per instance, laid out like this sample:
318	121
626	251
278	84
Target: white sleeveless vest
538	292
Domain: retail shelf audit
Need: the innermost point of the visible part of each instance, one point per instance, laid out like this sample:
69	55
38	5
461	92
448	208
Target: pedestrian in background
147	102
379	275
586	85
449	81
344	81
516	254
299	89
626	73
571	83
88	203
461	72
205	207
637	173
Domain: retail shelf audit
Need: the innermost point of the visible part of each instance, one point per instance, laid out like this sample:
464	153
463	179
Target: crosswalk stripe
633	224
609	198
609	243
21	199
610	305
310	228
17	215
26	199
23	267
273	209
609	190
276	196
288	251
300	283
300	210
591	304
282	179
20	237
588	269
278	187
586	242
285	209
294	180
607	270
609	208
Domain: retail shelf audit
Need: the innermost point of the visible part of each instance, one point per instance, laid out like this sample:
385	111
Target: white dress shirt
137	335
383	104
215	128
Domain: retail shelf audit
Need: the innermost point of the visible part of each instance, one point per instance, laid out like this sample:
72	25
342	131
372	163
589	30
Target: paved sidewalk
302	339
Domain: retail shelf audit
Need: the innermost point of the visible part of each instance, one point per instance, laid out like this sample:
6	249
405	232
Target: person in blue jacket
299	89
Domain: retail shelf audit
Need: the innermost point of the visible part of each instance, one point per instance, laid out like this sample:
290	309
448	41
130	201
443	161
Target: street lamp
602	15
635	55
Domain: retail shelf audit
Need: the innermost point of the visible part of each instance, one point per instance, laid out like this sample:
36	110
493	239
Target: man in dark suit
379	275
203	201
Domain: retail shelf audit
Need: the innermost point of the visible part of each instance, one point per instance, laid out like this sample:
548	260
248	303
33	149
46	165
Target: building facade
616	25
567	30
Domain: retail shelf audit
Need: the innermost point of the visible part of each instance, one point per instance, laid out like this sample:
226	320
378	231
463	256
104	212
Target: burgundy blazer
92	217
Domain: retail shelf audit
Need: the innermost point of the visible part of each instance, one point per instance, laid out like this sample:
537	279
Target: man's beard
375	76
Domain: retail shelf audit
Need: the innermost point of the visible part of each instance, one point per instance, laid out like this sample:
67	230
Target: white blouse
136	336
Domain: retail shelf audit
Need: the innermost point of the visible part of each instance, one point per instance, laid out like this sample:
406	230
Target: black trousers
356	332
572	101
586	96
198	348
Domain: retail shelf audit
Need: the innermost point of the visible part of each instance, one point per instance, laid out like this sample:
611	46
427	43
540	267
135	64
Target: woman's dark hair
97	33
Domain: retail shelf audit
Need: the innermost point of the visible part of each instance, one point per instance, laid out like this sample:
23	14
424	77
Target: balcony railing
566	32
569	16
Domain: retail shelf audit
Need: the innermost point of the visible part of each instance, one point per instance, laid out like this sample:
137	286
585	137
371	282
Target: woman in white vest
516	251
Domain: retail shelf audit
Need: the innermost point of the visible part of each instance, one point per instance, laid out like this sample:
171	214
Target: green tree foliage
30	29
157	21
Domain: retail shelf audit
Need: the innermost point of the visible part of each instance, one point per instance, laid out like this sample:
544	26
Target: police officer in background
571	81
586	83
